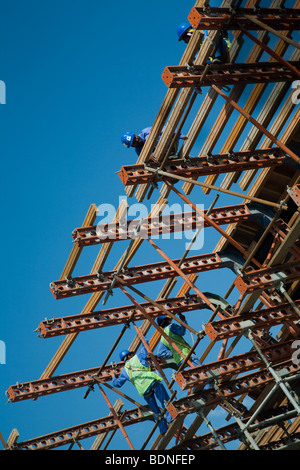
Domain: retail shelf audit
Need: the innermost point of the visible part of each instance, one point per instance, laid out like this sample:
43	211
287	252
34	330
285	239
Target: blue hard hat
182	28
123	354
160	320
127	139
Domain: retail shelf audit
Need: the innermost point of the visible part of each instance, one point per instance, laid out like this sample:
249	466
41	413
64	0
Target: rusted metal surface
133	275
105	233
265	318
114	316
229	389
217	18
206	165
82	431
231	74
233	365
268	277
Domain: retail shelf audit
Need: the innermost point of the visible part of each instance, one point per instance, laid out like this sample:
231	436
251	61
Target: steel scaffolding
258	241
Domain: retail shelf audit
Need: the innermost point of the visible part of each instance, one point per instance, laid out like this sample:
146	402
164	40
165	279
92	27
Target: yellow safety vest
140	376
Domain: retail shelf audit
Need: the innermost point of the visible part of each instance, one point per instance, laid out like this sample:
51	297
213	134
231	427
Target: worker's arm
118	382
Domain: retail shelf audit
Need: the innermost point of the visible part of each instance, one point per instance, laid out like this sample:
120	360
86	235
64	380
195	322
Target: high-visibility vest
140	376
179	341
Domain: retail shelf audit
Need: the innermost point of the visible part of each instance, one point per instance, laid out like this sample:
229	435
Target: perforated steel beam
205	165
232	432
217	18
229	389
104	233
229	74
61	383
134	275
235	365
115	316
83	431
268	277
268	317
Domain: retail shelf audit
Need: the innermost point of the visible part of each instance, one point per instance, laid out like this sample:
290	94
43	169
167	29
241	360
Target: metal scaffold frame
258	240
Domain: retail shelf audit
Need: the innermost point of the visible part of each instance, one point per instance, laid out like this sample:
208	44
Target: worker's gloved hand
182	317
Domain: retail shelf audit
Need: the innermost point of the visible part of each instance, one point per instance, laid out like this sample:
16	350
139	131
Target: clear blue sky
78	74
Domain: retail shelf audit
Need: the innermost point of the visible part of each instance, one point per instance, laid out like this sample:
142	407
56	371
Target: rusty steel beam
115	316
232	432
265	318
218	18
268	277
234	365
230	389
132	275
193	167
62	383
83	431
294	192
105	233
229	74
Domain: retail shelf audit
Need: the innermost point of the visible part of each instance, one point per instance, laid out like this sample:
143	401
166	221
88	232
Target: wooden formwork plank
91	304
165	108
260	181
226	109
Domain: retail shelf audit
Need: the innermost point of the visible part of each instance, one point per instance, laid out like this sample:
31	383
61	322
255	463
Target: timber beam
115	316
218	18
266	278
235	365
105	233
265	318
230	389
229	74
193	167
133	275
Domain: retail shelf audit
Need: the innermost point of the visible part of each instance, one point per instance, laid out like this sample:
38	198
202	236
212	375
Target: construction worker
129	139
175	332
185	31
148	383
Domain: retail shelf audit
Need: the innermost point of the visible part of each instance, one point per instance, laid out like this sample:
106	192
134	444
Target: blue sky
78	74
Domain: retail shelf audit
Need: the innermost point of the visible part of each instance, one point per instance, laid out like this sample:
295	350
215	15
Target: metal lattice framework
259	243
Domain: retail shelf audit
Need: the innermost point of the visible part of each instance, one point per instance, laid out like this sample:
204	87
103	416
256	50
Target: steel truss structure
258	386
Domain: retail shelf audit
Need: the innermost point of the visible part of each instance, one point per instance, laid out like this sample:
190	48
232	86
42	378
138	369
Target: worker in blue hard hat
185	31
129	139
175	332
137	370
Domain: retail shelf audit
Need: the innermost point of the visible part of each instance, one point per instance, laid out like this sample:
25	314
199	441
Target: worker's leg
150	399
221	52
162	396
